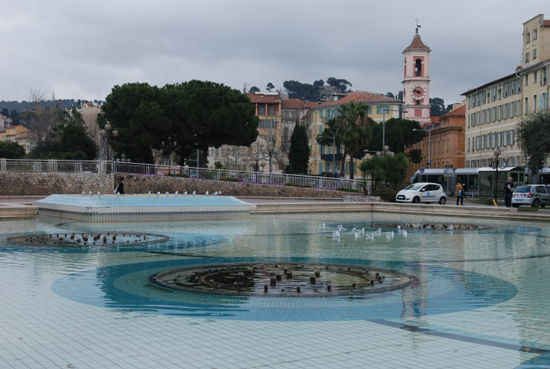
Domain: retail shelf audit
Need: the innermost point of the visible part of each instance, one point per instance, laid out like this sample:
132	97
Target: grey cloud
82	49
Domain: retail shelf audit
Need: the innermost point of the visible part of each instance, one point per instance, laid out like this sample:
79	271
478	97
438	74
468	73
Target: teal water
487	285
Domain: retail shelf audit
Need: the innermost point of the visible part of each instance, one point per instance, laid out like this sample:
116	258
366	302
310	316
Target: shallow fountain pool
472	286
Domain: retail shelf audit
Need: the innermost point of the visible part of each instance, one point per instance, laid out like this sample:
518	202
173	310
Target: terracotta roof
546	23
294	104
417	45
359	96
461	110
261	98
435	119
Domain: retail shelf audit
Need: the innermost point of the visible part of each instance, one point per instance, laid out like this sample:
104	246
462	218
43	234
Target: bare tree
43	116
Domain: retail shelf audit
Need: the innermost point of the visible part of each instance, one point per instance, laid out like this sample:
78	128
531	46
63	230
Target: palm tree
331	136
354	124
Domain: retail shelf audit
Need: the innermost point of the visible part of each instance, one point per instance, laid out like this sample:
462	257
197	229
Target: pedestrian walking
120	186
459	192
508	191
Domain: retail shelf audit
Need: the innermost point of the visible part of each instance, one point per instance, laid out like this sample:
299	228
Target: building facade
443	145
278	116
18	134
416	81
494	110
325	159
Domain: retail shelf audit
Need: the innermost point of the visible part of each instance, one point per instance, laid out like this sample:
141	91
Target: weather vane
417	24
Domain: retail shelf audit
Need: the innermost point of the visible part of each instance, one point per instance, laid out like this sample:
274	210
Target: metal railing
107	167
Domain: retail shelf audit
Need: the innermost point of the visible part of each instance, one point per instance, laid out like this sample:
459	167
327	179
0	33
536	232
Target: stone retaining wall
15	184
142	184
25	184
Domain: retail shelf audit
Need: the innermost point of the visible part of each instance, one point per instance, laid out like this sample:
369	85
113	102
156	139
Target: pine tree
298	155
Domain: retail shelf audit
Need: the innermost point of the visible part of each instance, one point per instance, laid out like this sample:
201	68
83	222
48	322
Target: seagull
185	193
175	193
336	235
206	193
98	193
158	193
404	233
194	193
148	193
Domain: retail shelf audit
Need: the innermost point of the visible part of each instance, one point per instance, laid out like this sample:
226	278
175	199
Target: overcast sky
79	49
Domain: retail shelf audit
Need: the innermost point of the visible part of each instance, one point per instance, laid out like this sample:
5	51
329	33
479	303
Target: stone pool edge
22	211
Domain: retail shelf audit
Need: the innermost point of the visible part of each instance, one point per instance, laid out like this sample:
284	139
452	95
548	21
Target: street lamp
496	164
105	133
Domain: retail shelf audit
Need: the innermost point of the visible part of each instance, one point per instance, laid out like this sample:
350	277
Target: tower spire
417	25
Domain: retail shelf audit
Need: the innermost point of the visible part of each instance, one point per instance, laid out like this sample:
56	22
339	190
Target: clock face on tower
418	93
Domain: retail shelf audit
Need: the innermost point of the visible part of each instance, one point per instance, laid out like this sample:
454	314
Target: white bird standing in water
185	193
206	193
194	192
404	233
336	235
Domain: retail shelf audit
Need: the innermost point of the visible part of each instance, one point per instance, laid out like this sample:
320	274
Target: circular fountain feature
283	279
80	239
433	226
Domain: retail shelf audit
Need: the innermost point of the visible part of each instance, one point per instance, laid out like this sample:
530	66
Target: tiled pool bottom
481	303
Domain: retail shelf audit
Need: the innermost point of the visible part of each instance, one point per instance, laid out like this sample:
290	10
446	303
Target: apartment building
327	159
493	112
443	145
494	109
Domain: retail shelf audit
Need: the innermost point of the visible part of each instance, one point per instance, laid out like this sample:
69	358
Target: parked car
534	195
422	192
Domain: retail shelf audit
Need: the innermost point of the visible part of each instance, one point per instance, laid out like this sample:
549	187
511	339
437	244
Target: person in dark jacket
508	191
119	189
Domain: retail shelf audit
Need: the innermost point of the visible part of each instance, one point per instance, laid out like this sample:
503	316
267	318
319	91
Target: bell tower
416	81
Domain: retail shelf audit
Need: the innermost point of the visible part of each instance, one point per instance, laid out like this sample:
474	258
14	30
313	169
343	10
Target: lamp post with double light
106	133
496	163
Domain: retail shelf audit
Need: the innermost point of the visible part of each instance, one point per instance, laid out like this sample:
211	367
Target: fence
107	167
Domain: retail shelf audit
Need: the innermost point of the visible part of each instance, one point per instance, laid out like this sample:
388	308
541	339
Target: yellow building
494	109
536	57
321	158
493	112
18	134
